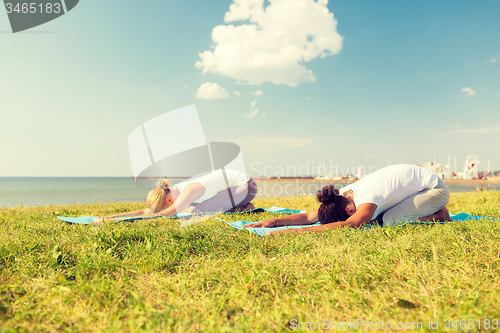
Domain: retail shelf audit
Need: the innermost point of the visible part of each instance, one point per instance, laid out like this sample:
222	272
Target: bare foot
441	215
249	206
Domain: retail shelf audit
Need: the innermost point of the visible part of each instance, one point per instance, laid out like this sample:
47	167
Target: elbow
312	218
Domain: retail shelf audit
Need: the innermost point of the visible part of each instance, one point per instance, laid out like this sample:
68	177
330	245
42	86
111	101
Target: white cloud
274	42
211	90
455	126
237	93
257	93
253	113
492	60
468	91
479	130
186	86
263	114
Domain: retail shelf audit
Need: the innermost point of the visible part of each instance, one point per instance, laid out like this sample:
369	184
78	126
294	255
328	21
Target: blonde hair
156	198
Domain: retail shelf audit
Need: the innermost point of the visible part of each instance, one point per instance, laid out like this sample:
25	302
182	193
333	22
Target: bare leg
441	215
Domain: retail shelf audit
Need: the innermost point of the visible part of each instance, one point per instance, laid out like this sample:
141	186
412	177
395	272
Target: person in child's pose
389	196
208	193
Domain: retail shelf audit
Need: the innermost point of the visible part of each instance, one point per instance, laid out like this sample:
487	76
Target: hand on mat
263	224
98	221
283	231
102	219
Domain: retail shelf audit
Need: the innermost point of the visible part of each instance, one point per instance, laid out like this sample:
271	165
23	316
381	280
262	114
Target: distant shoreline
304	180
491	180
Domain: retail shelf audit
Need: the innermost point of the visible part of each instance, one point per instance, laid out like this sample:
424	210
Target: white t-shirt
214	182
389	186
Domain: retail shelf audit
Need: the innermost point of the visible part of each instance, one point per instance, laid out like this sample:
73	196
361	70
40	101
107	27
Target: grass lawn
156	276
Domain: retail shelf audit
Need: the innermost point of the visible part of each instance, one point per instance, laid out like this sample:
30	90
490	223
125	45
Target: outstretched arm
297	219
364	213
136	213
192	192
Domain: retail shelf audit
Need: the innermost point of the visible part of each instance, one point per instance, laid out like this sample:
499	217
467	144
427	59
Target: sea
42	191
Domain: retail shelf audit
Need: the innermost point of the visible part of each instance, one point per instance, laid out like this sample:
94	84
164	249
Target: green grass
155	276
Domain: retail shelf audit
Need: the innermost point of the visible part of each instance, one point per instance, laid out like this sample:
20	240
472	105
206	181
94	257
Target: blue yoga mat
91	219
264	231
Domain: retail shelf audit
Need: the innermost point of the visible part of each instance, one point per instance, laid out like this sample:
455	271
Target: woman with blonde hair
207	193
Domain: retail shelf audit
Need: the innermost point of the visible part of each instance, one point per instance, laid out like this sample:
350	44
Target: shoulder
194	186
365	195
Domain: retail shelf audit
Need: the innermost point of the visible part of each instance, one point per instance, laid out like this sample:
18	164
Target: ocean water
39	191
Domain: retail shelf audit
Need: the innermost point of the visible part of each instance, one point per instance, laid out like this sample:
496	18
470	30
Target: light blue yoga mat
91	219
264	231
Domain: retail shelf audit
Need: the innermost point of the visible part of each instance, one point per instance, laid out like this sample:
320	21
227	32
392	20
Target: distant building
443	171
360	174
470	168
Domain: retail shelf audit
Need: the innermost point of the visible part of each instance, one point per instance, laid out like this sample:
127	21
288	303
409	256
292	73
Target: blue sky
409	80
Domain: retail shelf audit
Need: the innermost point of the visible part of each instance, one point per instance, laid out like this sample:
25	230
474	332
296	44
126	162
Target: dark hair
333	205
